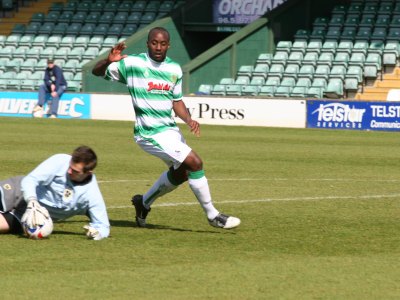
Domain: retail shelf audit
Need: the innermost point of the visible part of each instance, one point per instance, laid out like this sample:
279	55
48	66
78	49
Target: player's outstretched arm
114	55
181	111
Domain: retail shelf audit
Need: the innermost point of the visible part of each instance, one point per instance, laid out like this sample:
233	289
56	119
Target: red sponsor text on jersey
158	86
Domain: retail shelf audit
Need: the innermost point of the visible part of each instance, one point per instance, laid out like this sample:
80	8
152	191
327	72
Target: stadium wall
290	113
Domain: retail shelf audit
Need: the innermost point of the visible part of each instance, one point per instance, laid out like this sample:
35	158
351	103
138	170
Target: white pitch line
264	179
362	197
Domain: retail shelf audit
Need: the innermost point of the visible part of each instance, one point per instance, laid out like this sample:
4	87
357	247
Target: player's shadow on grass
124	223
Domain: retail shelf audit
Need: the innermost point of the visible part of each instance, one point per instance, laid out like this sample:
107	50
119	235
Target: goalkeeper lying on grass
60	187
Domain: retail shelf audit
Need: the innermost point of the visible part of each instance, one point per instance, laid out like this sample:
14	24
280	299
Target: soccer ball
38	114
39	232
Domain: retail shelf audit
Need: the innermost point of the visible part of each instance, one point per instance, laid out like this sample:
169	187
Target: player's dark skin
157	45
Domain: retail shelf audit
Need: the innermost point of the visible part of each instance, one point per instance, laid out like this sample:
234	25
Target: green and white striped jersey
153	86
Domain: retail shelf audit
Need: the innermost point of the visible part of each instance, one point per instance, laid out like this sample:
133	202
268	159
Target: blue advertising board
21	104
355	115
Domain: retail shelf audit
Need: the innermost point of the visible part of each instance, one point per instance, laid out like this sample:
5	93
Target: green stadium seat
306	71
81	41
233	90
73	86
353	78
284	46
107	18
333	34
264	58
341	59
301	35
291	71
166	6
299	46
90	53
295	58
298	92
376	47
325	59
363	34
93	17
13	40
314	46
385	8
379	34
334	89
40	41
360	47
329	46
139	5
245	70
336	22
14	64
62	52
339	10
3	39
260	70
48	53
54	41
97	6
84	6
96	42
267	90
148	17
60	29
273	81
317	35
257	81
338	72
250	90
303	82
66	17
28	64
219	90
310	58
393	34
32	28
354	9
348	33
373	65
320	23
52	16
38	17
134	18
276	70
76	53
57	6
345	46
126	6
67	41
33	52
280	58
322	71
382	21
205	89
351	20
40	66
357	59
87	29
20	52
288	81
391	53
101	29
242	80
18	29
283	91
111	6
7	52
152	6
70	6
367	21
120	18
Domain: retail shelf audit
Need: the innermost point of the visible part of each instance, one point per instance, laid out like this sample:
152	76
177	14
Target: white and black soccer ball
39	232
38	114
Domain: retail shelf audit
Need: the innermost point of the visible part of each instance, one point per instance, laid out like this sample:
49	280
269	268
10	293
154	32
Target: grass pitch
319	210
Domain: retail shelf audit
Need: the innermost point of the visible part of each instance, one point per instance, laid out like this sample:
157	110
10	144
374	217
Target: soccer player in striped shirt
155	83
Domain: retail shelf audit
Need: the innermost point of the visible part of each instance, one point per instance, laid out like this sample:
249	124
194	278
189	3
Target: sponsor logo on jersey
158	87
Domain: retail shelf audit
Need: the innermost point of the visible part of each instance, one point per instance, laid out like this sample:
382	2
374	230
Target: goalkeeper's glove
92	233
35	214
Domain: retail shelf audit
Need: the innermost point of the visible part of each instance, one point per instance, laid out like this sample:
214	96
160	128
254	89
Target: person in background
55	85
63	186
155	84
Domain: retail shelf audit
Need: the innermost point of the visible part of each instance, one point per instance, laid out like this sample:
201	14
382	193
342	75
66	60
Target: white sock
161	187
199	185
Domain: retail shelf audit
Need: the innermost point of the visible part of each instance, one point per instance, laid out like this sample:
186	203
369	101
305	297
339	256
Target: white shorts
170	146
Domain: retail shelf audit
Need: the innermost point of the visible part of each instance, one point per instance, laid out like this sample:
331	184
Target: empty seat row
115	6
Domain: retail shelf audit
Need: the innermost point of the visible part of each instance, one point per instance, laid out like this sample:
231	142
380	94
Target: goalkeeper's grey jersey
50	184
153	86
